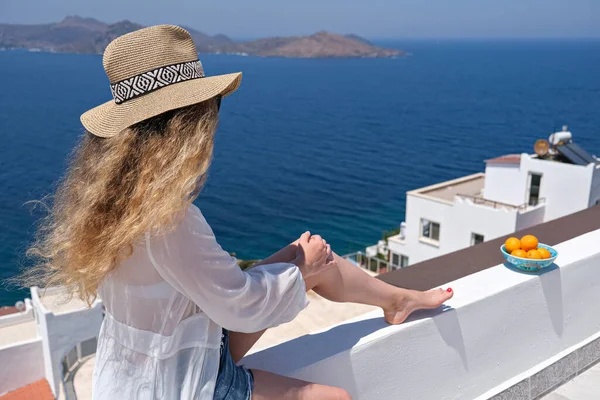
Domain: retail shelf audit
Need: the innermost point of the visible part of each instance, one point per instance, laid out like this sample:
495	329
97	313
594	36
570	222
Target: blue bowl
527	264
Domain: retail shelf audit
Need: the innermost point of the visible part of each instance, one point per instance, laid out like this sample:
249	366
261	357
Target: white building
516	192
46	339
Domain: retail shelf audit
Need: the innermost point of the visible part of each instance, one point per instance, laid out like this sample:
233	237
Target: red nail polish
449	290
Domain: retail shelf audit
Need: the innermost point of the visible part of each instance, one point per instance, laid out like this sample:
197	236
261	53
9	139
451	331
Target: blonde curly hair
115	190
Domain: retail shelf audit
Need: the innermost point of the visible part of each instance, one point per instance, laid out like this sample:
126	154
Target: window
373	264
399	261
535	181
430	230
476	238
403	261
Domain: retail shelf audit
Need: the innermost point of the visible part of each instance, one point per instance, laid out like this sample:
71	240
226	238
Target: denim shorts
234	382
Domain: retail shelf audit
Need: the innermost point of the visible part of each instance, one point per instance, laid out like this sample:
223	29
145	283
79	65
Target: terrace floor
468	185
19	332
58	303
583	387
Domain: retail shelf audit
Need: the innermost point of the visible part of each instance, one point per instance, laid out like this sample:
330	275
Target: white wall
500	324
61	332
399	247
419	207
457	222
530	217
21	364
595	190
18	317
505	183
566	187
466	218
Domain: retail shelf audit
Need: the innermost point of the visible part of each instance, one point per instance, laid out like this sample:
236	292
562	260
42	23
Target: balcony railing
373	264
476	199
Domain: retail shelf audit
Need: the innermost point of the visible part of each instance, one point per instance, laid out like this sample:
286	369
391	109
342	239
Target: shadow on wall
551	282
448	326
310	350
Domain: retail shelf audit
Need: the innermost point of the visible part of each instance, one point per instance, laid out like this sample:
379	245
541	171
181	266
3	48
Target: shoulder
195	222
186	235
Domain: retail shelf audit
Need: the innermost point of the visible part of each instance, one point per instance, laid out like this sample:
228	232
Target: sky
369	18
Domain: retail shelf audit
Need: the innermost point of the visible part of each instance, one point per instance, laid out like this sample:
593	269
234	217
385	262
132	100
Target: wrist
299	264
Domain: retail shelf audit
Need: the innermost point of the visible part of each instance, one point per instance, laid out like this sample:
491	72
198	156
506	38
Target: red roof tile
8	310
506	159
39	390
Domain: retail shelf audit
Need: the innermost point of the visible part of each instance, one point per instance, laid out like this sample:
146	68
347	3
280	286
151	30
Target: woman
180	313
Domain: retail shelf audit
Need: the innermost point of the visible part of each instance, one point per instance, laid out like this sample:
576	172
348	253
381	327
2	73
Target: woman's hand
313	255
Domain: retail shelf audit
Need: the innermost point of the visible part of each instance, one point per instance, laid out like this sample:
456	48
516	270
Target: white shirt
166	305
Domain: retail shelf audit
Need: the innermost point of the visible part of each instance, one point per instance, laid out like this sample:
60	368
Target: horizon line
247	37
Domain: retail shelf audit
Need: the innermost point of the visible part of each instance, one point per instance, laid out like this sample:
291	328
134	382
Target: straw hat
151	71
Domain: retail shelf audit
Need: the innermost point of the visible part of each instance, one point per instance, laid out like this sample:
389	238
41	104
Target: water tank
563	136
403	230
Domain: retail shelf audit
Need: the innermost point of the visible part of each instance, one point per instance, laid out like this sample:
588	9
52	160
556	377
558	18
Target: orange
544	252
512	244
519	253
534	254
529	242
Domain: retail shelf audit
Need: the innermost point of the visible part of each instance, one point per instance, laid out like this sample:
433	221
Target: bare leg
268	386
347	283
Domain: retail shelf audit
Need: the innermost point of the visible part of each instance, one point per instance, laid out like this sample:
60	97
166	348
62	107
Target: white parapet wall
63	325
500	326
21	356
21	364
18	317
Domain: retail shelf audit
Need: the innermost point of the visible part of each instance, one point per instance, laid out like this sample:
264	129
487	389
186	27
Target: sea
325	145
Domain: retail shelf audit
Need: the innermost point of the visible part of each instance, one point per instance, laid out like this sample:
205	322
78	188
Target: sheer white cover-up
166	306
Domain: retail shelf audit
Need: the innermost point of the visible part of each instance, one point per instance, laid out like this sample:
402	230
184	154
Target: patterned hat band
150	81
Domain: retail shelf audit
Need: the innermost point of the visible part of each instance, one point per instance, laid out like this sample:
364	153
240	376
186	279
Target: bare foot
409	301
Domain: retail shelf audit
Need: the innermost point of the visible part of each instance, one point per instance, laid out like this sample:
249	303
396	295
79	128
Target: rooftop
57	303
19	332
506	159
39	390
8	310
17	326
468	188
471	185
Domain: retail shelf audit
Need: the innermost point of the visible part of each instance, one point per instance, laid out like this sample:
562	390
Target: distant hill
321	44
359	39
86	35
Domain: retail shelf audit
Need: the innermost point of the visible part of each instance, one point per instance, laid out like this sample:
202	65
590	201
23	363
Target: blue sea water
324	145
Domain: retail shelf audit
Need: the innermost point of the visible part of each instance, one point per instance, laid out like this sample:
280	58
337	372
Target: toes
446	295
436	291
